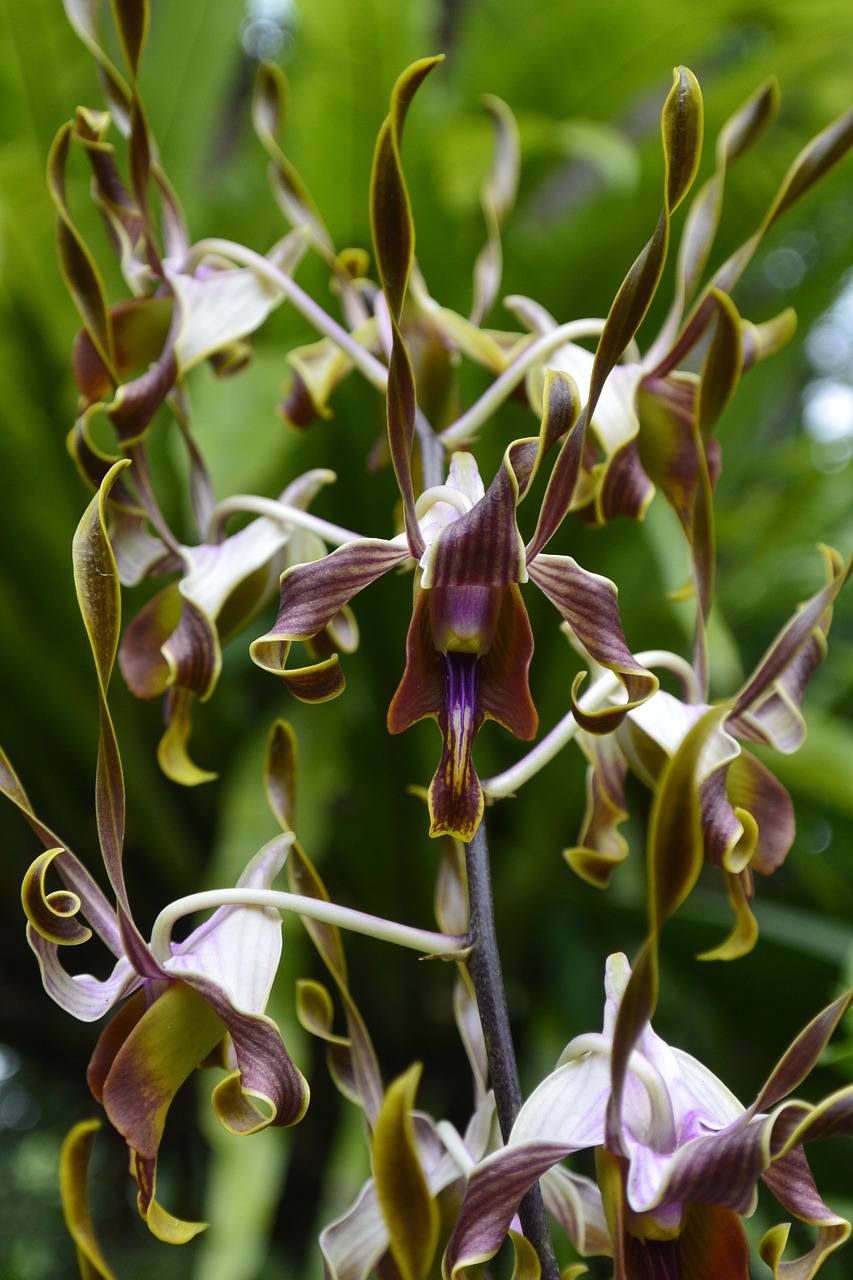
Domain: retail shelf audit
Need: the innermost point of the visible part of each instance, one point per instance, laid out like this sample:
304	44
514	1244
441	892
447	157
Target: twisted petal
601	848
588	603
73	1176
767	708
311	596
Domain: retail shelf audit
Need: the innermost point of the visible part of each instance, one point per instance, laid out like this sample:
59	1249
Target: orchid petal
73	1173
153	1062
83	996
751	786
76	878
601	848
98	595
269	106
497	198
217	308
767	708
816	159
744	935
504	692
588	603
162	1224
353	1244
798	1060
312	595
394	240
318	368
409	1210
740	132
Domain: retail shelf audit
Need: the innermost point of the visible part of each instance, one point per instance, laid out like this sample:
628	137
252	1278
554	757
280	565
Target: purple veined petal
504	691
790	1179
751	786
775	718
264	1069
588	602
217	307
312	594
730	835
814	615
192	653
800	1057
495	1189
721	1168
83	996
482	547
239	947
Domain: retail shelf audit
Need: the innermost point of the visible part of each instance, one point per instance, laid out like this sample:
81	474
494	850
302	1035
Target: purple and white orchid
679	1157
469	643
747	816
179	1004
173	645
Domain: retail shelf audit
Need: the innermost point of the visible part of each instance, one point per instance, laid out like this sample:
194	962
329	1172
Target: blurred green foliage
586	84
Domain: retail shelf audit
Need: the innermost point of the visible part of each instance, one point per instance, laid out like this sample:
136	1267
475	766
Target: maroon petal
421	690
504	690
600	847
455	795
589	604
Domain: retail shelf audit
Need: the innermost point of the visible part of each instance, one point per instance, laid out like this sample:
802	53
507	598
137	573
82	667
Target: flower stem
372	369
484	965
438	944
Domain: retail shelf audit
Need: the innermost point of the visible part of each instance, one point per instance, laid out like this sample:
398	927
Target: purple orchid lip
456	799
464	619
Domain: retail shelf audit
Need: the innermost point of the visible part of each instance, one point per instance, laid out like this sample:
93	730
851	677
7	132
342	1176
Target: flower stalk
430	943
484	966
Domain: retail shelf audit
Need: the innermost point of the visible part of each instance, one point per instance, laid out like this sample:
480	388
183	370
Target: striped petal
588	603
312	596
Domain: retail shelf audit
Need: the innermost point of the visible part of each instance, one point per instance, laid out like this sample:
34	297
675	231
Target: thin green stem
484	965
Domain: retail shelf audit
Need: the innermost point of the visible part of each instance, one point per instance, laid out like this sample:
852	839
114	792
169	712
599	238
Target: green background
586	83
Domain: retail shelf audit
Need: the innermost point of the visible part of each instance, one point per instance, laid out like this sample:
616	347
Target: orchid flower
180	1002
469	644
679	1157
653	420
404	1210
185	305
188	303
434	334
747	816
173	645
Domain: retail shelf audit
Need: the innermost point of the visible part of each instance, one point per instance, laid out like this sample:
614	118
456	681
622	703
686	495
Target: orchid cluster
678	1159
